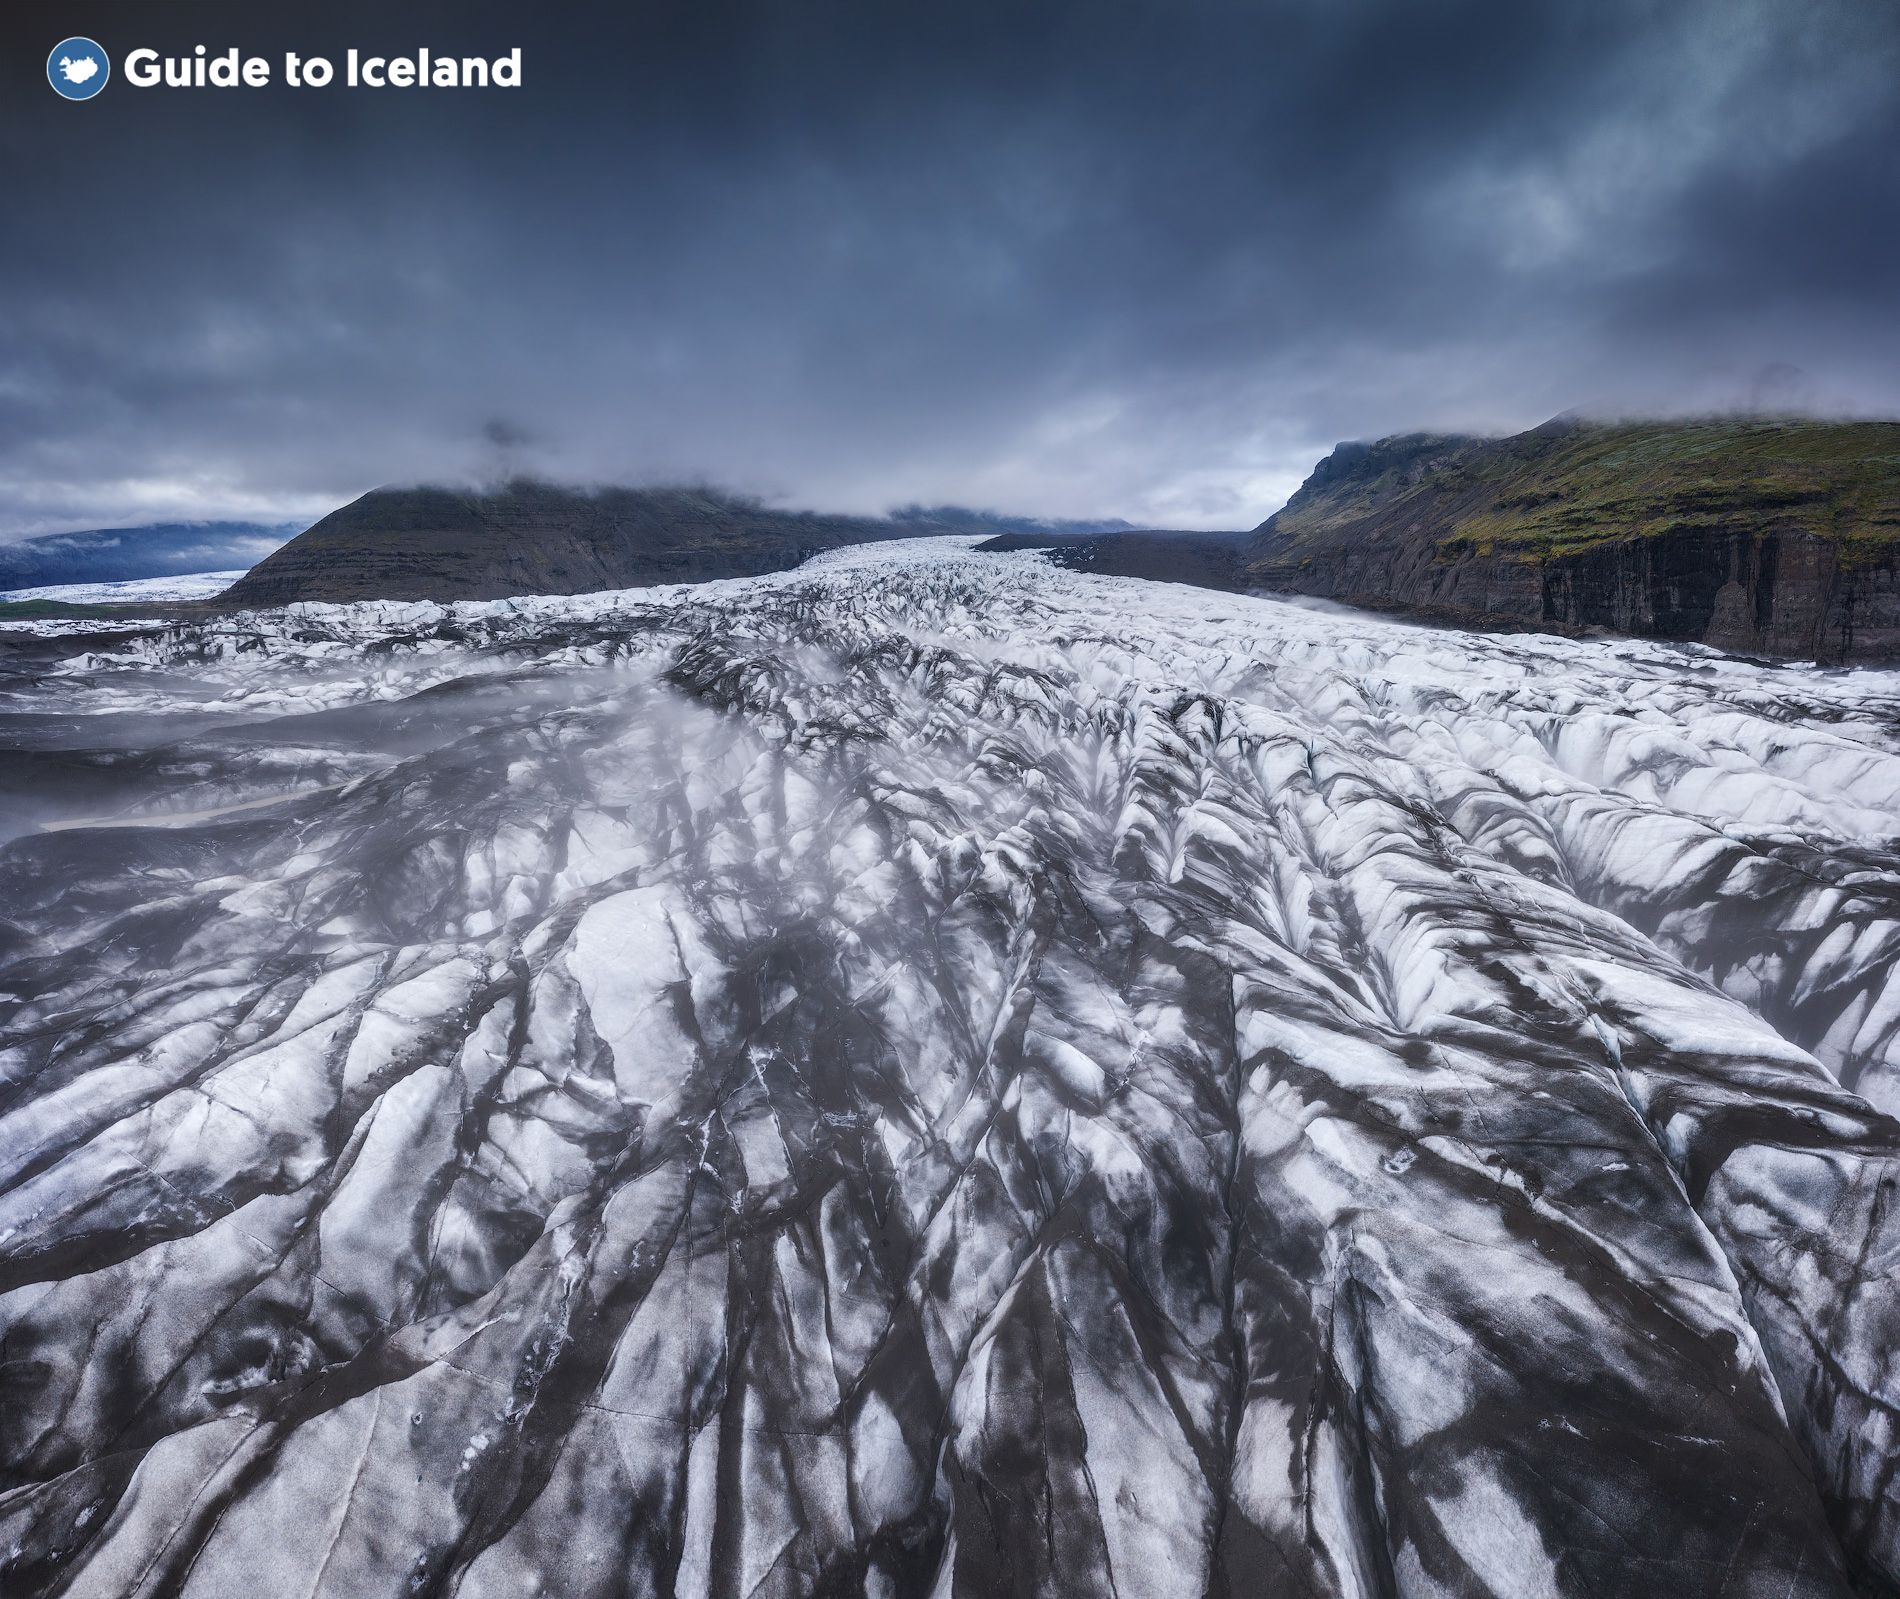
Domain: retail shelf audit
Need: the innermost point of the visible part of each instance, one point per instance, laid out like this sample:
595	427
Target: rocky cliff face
1779	538
534	538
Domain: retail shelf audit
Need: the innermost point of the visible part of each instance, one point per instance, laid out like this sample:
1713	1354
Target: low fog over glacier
931	1074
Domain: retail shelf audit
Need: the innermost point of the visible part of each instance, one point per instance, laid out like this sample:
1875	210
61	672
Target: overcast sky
1087	259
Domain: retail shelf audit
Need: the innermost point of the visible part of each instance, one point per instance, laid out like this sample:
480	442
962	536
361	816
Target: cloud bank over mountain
1071	260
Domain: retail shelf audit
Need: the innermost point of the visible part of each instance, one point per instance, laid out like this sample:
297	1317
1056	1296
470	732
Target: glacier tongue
933	1075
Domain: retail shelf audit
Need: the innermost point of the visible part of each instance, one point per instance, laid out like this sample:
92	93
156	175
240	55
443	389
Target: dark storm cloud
1078	259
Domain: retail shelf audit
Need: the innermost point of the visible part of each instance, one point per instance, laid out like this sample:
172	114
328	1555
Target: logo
78	69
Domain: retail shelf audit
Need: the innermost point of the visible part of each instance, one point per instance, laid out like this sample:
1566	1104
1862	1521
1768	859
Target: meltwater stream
934	1075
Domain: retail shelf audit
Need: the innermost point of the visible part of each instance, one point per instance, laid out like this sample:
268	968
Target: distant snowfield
195	586
934	1074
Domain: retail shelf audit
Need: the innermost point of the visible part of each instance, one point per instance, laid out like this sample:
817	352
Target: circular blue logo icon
78	68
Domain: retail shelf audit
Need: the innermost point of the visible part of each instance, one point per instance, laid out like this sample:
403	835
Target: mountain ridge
1779	537
532	537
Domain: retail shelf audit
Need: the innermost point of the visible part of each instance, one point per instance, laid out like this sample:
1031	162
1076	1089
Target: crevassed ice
934	1074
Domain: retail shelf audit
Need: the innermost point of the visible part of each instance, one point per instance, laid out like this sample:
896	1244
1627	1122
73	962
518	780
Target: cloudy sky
1089	259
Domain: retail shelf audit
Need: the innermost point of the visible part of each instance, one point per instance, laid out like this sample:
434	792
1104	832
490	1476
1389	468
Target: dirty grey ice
934	1075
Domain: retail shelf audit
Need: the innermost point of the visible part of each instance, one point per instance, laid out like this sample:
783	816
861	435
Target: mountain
932	1074
535	538
1780	538
122	554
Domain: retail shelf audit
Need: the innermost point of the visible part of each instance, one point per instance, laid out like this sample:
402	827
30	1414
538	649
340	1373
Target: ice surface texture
934	1075
196	586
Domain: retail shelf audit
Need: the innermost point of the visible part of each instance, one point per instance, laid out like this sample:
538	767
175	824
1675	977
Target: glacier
190	586
930	1074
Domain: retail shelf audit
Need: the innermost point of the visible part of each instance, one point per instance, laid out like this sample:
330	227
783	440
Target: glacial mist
934	1075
